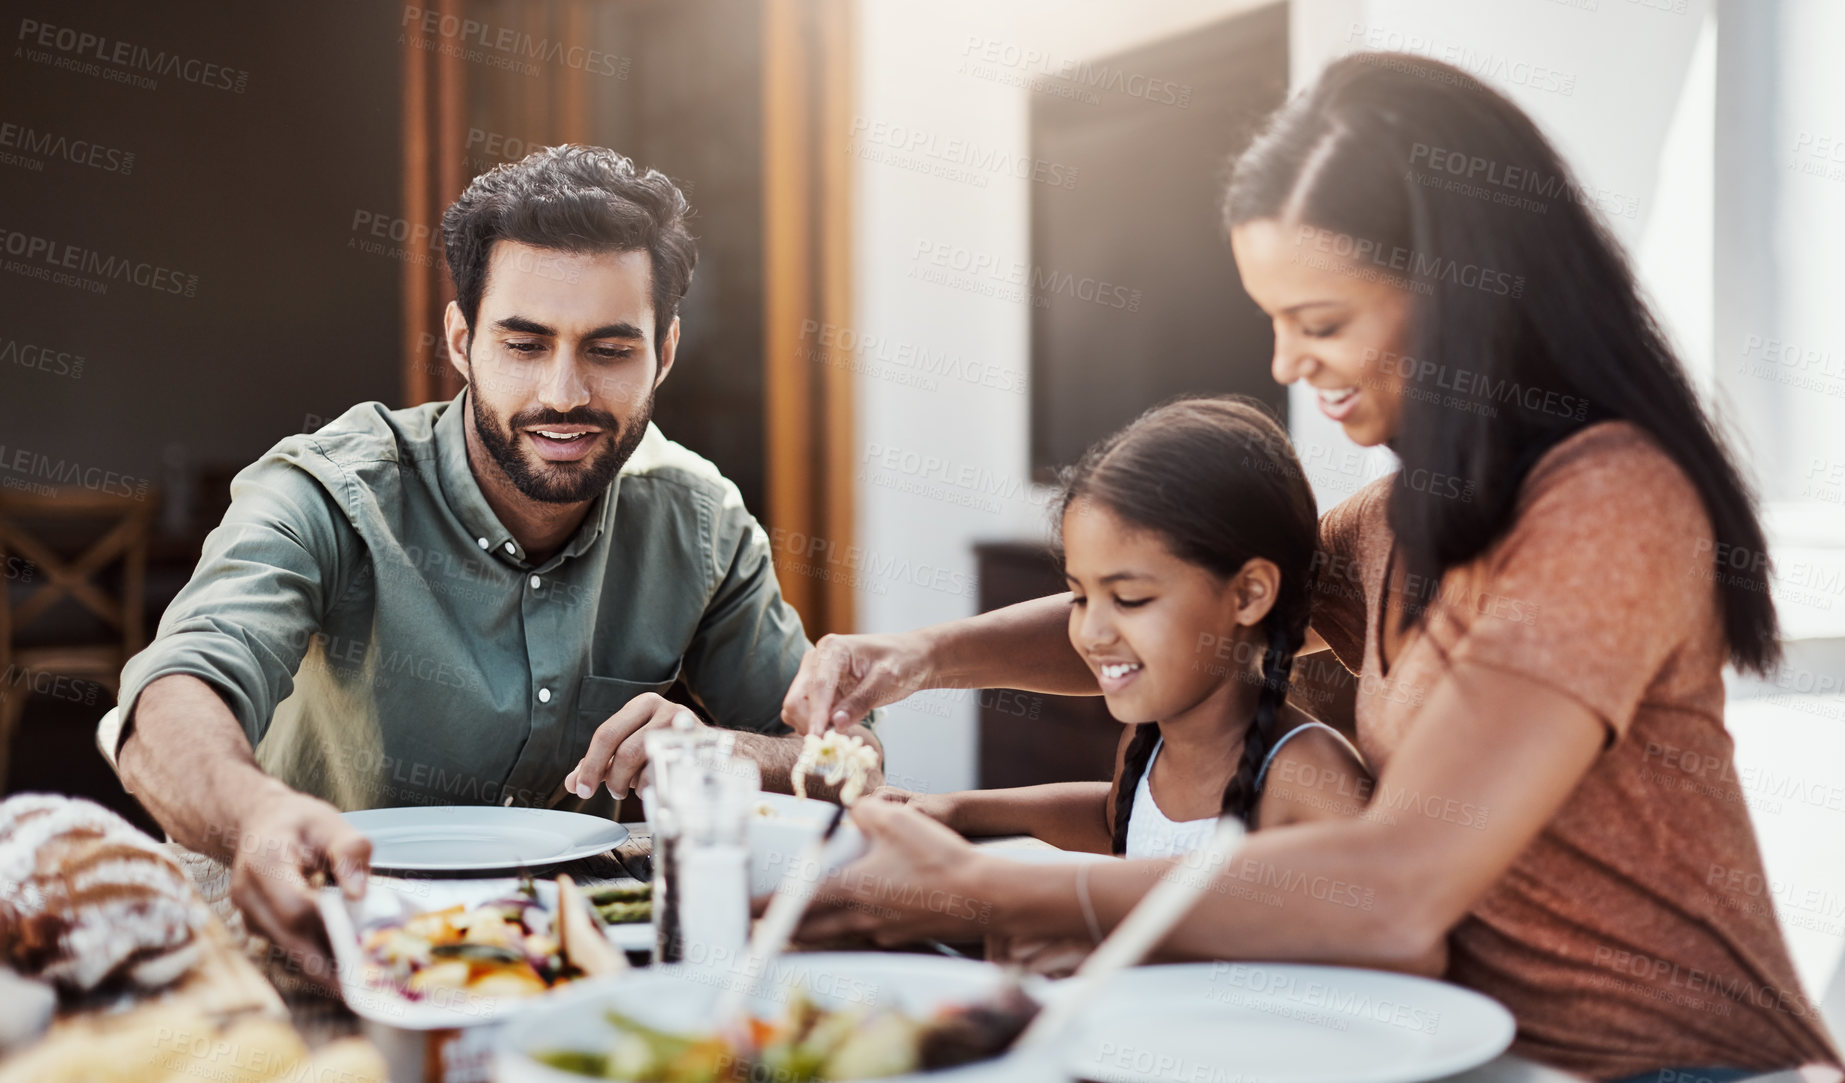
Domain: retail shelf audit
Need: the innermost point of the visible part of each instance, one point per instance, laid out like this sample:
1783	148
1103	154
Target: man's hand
845	676
187	759
617	752
284	840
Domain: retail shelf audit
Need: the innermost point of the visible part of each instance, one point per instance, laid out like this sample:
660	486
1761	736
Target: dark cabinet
1027	738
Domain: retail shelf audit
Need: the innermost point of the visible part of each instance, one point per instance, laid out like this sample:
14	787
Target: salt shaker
712	801
673	755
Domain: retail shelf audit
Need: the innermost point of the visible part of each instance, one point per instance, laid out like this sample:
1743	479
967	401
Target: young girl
1188	541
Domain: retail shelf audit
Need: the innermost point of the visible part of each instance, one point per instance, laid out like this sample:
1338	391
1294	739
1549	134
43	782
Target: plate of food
434	967
425	953
818	1016
481	838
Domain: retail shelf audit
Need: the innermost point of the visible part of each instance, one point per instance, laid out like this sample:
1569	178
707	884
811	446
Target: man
470	602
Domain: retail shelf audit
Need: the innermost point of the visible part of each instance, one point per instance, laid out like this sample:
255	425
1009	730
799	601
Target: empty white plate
481	838
1282	1024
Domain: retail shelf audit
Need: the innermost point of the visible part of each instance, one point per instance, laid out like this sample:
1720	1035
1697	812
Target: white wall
944	460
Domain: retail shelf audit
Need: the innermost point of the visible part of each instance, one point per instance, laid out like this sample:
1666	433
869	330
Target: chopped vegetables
509	947
809	1044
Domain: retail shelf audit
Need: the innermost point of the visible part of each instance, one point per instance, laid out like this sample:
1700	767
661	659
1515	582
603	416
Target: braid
1240	794
1133	765
1285	637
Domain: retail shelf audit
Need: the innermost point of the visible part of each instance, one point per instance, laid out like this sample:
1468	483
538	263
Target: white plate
632	936
681	999
481	838
1278	1023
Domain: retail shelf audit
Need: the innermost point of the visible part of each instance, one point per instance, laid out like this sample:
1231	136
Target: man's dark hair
574	199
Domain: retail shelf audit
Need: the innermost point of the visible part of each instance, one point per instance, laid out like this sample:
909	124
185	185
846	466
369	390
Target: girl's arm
1068	815
1024	646
1314	778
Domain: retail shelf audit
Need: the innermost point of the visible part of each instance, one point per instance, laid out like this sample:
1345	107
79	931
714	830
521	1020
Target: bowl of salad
824	1016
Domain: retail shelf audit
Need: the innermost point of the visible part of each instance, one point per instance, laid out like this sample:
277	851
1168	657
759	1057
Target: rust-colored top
1633	934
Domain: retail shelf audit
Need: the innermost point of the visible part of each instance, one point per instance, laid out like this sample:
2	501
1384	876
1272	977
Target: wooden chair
106	529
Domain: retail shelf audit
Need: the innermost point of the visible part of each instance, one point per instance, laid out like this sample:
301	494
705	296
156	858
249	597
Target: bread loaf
89	900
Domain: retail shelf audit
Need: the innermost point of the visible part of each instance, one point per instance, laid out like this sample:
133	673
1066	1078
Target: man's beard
559	483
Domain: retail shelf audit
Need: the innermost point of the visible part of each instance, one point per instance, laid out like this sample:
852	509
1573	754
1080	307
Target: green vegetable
476	953
626	913
663	1046
611	893
571	1060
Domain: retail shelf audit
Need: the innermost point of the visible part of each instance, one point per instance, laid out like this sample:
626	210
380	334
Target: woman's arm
1316	777
1491	759
1024	646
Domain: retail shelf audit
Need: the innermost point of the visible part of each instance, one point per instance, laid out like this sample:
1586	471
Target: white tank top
1151	834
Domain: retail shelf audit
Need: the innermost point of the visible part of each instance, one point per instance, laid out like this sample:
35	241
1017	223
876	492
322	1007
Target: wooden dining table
321	1018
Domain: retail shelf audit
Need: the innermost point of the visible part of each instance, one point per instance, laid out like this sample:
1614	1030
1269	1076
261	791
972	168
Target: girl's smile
1145	621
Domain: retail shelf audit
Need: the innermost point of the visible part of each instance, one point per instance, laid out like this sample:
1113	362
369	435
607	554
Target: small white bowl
779	836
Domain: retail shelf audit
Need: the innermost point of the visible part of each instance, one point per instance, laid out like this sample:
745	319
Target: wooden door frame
809	403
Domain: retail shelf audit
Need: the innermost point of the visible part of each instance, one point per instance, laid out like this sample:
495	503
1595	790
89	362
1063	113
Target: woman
1534	603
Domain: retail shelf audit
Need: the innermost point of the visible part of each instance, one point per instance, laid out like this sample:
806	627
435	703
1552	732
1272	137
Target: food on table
809	1044
86	900
170	1043
623	904
509	947
836	757
579	934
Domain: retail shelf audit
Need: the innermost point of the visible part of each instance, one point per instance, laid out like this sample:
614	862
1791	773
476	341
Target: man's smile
563	443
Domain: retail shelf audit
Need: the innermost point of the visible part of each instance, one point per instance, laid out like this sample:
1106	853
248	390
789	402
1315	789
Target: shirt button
511	548
537	582
508	802
544	695
482	541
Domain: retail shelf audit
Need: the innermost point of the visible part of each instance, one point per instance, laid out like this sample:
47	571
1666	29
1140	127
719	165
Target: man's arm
201	695
748	645
189	762
617	752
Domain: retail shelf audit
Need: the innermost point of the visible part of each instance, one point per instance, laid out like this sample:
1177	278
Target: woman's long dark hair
1420	172
1218	481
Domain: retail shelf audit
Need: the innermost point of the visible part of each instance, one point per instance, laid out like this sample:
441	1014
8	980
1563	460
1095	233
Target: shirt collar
470	506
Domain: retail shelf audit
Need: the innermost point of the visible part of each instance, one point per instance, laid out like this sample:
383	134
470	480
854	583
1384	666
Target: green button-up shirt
385	641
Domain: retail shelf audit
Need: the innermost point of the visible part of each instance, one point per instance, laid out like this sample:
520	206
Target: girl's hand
916	882
1049	958
844	677
939	807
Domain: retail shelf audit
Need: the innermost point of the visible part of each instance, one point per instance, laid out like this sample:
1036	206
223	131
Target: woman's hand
845	676
918	881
